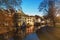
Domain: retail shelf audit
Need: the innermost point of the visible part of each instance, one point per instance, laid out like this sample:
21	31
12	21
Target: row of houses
6	21
27	18
11	19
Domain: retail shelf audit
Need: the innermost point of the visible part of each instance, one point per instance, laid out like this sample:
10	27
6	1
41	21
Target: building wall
30	20
6	21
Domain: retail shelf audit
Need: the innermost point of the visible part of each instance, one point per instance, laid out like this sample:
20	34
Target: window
6	24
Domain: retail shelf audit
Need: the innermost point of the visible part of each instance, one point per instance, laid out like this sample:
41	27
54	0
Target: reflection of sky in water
32	36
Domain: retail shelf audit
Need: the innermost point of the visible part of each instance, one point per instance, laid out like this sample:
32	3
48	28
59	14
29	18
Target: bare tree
10	3
49	7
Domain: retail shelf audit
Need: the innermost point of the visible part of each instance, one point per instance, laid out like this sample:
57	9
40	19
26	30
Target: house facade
27	19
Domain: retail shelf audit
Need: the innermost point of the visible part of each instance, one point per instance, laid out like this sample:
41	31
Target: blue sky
30	7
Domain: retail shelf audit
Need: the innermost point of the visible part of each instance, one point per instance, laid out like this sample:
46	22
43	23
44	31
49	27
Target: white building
27	19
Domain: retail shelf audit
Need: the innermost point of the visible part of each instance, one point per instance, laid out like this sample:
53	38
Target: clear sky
30	7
